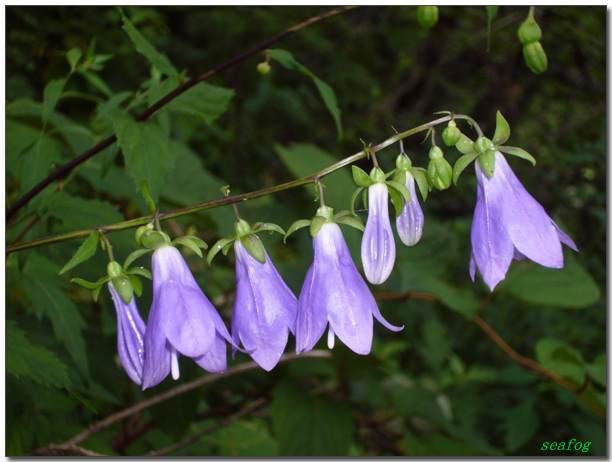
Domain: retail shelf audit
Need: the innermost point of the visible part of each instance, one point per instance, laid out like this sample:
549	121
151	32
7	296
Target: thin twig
194	438
60	172
63	449
184	388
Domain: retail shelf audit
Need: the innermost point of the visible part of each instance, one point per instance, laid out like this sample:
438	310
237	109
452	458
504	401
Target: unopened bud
451	134
529	32
263	67
535	57
427	16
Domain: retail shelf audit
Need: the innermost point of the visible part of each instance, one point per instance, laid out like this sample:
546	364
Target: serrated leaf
144	47
295	226
287	60
133	256
188	243
271	227
78	212
85	251
465	145
518	152
220	244
254	246
147	152
461	164
360	177
502	130
26	359
51	95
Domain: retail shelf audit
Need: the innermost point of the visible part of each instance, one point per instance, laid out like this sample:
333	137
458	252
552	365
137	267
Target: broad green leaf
562	359
96	81
204	101
307	424
270	227
134	255
459	299
144	47
51	95
304	159
19	137
597	370
79	213
521	423
188	243
568	287
437	445
85	251
37	162
246	438
287	60
147	152
26	359
360	177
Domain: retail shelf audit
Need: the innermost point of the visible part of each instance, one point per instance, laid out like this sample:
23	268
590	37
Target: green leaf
37	162
518	152
254	247
304	159
487	162
73	56
597	370
97	82
145	48
465	145
86	250
354	197
491	15
396	200
502	130
569	287
315	225
220	244
79	213
562	359
18	138
51	95
459	299
205	102
307	424
461	164
86	284
25	359
400	188
438	445
287	60
521	424
147	152
295	226
360	177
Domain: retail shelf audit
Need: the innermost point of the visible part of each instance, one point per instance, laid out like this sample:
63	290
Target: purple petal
472	266
157	351
216	358
411	221
492	248
378	245
564	237
312	313
264	308
530	228
130	335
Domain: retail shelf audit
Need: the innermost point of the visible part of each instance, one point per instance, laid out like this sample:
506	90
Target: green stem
472	121
109	247
134	223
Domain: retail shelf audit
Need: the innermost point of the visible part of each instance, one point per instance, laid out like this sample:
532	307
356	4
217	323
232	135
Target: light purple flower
182	321
509	223
130	335
378	244
410	222
264	308
334	292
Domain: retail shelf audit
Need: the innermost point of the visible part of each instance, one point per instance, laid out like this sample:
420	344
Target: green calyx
114	269
435	153
377	175
487	162
153	239
403	162
451	134
482	144
242	228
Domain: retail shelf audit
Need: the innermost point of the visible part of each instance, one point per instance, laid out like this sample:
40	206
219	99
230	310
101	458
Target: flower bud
482	144
377	175
535	57
427	16
529	32
124	287
451	134
263	68
114	269
152	239
439	171
435	153
403	162
242	228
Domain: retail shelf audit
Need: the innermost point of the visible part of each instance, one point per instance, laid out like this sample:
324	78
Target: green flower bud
436	153
152	239
427	16
535	57
377	175
140	232
114	269
263	67
124	287
529	32
482	144
242	228
440	173
403	162
326	212
451	134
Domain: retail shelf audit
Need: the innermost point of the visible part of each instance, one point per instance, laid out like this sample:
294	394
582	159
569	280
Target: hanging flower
264	308
378	245
182	321
410	222
509	223
334	292
130	335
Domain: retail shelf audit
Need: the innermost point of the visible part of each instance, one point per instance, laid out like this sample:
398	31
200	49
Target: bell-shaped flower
410	222
378	244
335	293
130	335
264	308
509	223
182	321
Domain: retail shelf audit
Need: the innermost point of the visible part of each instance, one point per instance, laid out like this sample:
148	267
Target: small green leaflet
287	60
491	15
461	164
84	252
51	95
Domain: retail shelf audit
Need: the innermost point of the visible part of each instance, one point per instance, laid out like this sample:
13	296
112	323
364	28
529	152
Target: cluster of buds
530	34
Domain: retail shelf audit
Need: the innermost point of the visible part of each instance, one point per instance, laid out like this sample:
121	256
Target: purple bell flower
334	292
264	308
182	321
130	335
378	244
509	223
410	222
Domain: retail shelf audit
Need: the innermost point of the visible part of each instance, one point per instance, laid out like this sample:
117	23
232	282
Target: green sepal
347	218
354	198
364	198
96	292
402	189
461	164
389	174
315	225
400	176
377	175
420	176
147	197
487	162
133	256
87	284
518	152
254	246
136	284
502	130
192	242
360	177
226	248
124	287
396	200
295	226
465	145
440	173
139	270
153	239
218	246
270	227
85	251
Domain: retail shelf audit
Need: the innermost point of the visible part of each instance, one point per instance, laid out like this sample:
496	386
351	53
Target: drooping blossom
378	244
410	222
130	335
335	293
182	321
264	308
509	223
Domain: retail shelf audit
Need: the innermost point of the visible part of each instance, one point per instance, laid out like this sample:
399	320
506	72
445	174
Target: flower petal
312	314
565	238
216	358
378	244
411	221
157	351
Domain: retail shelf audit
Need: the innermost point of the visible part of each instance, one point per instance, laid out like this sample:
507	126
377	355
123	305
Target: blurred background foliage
441	386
